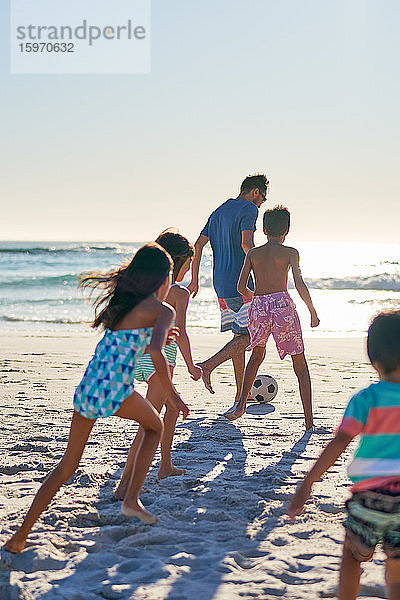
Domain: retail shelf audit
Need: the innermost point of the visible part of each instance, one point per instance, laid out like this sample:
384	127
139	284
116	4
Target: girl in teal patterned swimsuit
131	311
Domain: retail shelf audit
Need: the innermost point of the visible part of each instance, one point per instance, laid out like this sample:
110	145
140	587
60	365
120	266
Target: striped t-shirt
374	413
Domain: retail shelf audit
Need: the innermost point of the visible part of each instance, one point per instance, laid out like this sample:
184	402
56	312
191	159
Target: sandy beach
223	533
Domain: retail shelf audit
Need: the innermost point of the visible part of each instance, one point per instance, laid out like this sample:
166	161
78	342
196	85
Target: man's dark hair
253	182
276	220
383	342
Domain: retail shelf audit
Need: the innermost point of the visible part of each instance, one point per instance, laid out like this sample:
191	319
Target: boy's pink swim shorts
275	313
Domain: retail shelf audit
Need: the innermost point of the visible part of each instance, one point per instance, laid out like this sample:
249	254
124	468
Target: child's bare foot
232	408
206	377
235	412
15	544
120	492
139	511
169	471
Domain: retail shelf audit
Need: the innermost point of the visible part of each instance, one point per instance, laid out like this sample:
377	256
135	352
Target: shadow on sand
202	541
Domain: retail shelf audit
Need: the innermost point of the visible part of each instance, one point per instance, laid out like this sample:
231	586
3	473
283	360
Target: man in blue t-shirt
230	231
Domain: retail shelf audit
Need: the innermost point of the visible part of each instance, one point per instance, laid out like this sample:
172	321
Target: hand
314	319
195	372
298	501
193	287
178	404
248	294
172	335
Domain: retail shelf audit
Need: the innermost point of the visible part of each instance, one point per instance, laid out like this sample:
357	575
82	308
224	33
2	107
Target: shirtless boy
272	310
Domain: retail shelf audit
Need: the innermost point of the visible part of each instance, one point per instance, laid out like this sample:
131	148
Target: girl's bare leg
392	576
303	376
349	576
78	435
167	468
156	396
137	408
250	373
129	465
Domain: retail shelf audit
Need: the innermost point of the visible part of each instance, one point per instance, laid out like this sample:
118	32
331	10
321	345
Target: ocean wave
384	281
42	281
35	250
384	302
48	301
65	321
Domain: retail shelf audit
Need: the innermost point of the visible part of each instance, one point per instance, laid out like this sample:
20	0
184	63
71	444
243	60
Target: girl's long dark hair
121	290
178	247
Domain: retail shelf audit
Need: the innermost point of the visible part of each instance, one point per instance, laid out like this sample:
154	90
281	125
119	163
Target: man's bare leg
234	347
253	365
238	367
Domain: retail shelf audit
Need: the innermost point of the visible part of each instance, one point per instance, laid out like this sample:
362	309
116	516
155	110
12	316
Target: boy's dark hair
383	342
253	182
276	220
122	289
178	247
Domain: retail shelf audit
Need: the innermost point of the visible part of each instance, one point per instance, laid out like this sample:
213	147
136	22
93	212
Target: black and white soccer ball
264	389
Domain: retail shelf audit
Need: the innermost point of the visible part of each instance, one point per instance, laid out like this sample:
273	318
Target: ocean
349	283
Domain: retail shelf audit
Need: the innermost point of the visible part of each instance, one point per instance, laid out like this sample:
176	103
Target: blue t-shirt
224	230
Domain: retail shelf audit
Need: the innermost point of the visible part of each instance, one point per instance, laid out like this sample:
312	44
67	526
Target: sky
306	92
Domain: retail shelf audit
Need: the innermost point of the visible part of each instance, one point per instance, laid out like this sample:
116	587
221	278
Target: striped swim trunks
144	367
234	314
373	517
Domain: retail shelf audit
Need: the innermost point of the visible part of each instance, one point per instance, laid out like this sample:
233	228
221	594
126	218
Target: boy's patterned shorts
275	313
373	517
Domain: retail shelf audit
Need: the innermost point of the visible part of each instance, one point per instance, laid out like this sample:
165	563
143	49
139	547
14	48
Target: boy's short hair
276	220
253	182
383	342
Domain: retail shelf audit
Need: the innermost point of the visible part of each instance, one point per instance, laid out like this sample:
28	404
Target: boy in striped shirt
373	510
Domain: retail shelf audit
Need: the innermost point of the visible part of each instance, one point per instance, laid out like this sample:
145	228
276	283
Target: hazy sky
307	92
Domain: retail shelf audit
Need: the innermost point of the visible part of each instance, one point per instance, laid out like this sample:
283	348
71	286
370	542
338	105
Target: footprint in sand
280	541
13	469
293	580
331	508
304	535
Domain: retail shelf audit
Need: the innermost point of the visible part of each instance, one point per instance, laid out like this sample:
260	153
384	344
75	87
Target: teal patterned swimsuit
108	379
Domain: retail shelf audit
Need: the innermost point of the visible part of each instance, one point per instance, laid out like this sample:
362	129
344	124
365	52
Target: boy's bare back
270	264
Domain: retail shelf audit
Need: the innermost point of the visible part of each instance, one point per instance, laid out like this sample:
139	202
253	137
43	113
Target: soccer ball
264	389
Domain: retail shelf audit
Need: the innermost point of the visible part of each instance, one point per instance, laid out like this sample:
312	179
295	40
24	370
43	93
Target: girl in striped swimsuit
181	252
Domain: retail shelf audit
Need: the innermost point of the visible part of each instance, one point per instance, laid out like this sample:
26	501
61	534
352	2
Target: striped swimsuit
144	367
